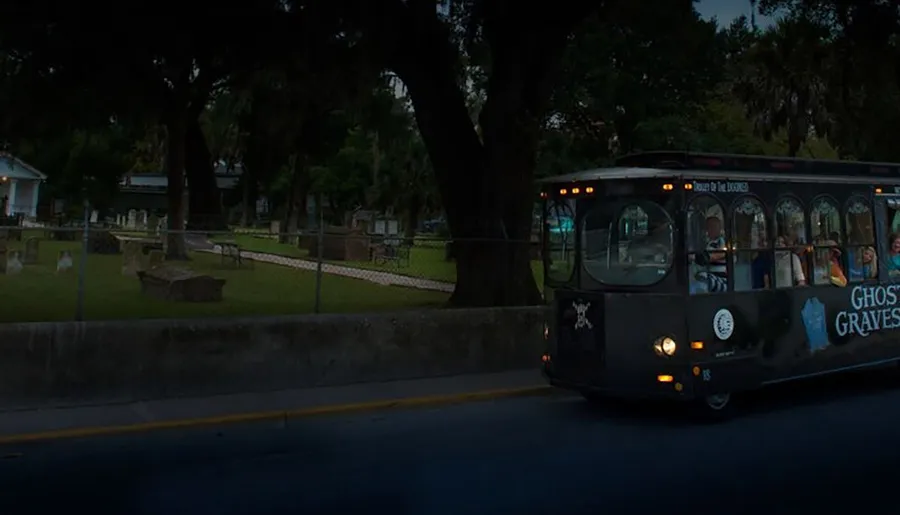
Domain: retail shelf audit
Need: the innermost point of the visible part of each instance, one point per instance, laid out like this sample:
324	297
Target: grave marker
64	261
13	262
132	253
32	246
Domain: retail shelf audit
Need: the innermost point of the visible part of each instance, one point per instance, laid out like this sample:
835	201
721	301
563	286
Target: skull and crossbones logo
581	309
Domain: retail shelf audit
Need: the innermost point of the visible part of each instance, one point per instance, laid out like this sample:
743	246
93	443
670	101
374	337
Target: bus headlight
664	346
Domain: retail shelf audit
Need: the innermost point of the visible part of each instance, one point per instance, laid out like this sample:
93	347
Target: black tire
713	408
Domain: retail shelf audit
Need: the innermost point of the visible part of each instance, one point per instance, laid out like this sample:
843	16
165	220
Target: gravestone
102	242
32	245
142	219
155	258
180	284
94	217
13	262
131	221
132	253
275	227
64	261
152	225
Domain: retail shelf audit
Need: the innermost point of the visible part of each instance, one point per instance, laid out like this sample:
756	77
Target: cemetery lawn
426	258
38	293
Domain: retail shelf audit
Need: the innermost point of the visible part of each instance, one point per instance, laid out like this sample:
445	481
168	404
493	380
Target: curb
260	416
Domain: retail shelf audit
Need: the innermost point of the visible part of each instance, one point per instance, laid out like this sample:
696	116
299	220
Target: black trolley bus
697	276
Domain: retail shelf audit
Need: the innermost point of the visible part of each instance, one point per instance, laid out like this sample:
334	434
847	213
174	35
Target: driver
715	273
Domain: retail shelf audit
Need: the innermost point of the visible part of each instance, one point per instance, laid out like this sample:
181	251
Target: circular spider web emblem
723	324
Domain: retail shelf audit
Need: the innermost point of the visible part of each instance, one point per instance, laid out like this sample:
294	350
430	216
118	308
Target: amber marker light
563	191
665	378
576	191
688	186
668	187
589	189
697	345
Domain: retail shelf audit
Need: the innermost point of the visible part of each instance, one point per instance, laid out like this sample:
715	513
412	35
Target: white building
20	186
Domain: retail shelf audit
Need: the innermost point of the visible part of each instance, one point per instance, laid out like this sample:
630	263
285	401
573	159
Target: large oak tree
484	170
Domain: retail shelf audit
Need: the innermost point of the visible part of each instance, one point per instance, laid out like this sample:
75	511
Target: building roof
14	168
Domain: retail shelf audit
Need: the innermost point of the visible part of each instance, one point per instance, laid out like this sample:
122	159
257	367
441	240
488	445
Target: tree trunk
249	197
296	203
486	187
204	197
413	212
175	156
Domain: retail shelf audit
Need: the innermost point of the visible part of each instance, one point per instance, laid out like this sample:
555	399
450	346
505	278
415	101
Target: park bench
147	244
231	254
391	251
180	284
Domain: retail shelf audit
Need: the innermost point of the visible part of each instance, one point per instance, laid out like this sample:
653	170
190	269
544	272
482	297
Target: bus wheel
714	408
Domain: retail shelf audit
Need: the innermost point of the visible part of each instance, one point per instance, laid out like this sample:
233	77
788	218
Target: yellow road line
435	400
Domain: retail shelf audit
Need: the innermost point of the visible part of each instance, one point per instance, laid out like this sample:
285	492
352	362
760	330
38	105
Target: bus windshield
627	243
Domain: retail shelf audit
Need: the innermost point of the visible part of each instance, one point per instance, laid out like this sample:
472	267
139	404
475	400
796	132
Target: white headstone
13	262
94	215
64	262
132	219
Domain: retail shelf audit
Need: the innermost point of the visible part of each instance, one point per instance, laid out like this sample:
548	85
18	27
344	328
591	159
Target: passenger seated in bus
866	267
760	271
828	265
894	260
788	268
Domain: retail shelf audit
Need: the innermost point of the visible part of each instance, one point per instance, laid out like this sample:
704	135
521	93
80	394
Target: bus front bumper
668	385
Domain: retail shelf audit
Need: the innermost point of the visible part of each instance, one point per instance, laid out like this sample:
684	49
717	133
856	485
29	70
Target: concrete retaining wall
94	362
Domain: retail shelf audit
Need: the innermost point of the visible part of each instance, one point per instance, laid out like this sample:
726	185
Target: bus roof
686	165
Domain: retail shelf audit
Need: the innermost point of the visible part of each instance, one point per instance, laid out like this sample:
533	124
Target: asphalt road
833	447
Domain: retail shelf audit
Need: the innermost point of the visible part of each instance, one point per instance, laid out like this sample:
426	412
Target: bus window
893	243
753	261
790	244
862	259
825	225
559	233
627	244
706	246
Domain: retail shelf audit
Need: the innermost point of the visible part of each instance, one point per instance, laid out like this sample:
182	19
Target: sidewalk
375	276
51	423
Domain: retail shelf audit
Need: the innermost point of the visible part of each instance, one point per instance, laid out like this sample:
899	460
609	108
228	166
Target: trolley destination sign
721	187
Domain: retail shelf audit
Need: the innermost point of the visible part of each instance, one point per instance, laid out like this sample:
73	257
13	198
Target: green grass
426	258
38	293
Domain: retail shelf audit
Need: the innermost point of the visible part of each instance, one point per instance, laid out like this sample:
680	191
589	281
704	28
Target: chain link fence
86	270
